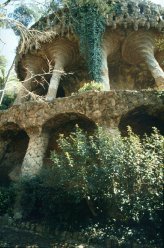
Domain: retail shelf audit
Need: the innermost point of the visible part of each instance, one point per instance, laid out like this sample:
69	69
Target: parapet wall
26	130
104	108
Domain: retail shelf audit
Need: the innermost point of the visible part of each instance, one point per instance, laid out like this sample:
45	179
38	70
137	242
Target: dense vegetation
100	182
7	198
89	23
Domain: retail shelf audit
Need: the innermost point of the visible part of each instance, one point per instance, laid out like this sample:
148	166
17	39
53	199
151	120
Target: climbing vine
89	23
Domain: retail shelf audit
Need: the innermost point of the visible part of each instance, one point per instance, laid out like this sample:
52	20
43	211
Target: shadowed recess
65	124
13	146
142	120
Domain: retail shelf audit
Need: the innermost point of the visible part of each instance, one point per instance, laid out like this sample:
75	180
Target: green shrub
7	199
43	203
101	179
121	177
27	188
90	86
7	102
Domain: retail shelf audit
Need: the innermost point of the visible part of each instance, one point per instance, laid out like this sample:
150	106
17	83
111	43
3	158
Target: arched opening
142	120
13	144
64	124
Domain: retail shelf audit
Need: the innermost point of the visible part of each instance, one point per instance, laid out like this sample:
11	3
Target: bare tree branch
5	3
5	82
41	81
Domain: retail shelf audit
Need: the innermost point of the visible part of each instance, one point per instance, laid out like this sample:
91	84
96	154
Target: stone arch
13	145
64	124
142	119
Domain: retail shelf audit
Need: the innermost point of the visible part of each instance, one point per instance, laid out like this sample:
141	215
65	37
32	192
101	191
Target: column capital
34	131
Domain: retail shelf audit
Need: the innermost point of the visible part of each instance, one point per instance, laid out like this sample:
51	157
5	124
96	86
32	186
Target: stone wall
113	110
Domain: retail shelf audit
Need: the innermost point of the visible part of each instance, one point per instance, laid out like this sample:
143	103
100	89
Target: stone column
32	163
55	79
155	70
105	73
63	52
139	48
33	160
110	45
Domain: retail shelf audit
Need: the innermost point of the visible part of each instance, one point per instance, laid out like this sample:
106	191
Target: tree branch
5	3
5	82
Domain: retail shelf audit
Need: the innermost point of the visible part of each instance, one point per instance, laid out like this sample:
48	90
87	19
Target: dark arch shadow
65	124
142	120
15	143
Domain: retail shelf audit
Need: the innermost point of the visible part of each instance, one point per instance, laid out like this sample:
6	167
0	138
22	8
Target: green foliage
8	98
117	174
101	5
124	234
90	86
7	101
7	198
30	190
22	14
88	19
2	61
46	204
2	70
112	186
160	43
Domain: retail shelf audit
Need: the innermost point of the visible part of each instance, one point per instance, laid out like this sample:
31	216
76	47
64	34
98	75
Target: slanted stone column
110	46
105	73
33	160
155	70
139	48
55	79
63	53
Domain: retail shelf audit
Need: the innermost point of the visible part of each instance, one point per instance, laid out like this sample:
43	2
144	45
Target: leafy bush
91	86
123	235
121	176
7	102
101	179
43	203
7	198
